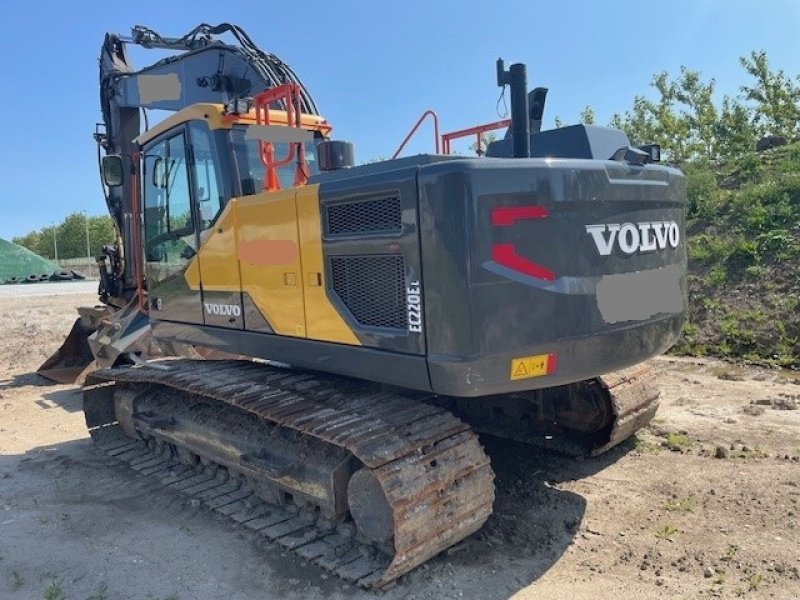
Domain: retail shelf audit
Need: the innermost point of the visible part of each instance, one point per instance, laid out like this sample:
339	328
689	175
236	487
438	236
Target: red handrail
477	131
427	113
289	94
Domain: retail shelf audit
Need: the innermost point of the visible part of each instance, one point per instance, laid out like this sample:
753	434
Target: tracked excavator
336	336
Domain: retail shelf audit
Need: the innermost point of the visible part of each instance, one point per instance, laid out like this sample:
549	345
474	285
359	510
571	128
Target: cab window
207	185
252	170
168	219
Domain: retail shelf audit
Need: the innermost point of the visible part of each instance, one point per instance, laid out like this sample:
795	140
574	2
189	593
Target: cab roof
214	115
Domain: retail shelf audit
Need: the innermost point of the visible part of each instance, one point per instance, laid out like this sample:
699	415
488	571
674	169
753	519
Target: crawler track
426	463
621	403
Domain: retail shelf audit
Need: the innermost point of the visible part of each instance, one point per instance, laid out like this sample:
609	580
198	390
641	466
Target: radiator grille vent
372	288
382	215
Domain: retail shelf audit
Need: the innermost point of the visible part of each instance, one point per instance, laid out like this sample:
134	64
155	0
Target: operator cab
191	165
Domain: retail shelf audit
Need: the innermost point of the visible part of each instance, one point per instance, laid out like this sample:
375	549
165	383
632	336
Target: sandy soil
702	504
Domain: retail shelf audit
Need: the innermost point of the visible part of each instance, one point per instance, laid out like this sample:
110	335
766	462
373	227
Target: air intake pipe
517	79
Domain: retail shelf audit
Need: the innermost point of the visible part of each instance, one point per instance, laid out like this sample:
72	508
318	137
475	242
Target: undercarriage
365	482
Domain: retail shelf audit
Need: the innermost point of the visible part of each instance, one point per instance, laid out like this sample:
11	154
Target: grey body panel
479	315
575	141
393	368
479	319
396	238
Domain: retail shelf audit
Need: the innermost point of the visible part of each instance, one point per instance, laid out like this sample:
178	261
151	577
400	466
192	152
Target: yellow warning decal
526	367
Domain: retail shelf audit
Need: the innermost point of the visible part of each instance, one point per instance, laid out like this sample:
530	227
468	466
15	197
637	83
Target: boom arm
206	70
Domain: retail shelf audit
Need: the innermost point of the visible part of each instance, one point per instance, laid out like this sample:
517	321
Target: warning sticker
532	366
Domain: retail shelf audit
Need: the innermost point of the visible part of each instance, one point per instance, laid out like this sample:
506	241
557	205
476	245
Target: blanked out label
640	295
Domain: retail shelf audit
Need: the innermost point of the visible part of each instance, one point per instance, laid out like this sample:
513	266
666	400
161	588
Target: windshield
252	170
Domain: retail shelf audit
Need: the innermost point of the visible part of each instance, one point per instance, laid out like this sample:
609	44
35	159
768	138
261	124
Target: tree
486	139
775	96
699	112
733	130
70	236
587	116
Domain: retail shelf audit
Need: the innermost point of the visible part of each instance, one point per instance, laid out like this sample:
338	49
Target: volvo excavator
334	337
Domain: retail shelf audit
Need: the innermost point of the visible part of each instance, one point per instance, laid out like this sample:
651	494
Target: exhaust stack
517	79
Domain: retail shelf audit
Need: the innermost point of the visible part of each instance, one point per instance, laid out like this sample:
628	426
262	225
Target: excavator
311	347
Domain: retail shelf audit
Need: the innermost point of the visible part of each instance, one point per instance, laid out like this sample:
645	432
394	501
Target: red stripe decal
551	364
506	255
508	215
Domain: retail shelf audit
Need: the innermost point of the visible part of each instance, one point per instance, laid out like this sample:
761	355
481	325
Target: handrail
477	130
414	129
289	95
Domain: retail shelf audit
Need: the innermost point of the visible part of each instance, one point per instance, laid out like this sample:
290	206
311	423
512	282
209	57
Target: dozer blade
75	355
97	339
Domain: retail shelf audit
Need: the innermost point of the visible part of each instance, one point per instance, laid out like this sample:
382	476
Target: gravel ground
54	288
702	504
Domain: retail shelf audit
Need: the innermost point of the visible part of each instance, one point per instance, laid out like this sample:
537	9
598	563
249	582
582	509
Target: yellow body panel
274	286
323	321
218	273
269	245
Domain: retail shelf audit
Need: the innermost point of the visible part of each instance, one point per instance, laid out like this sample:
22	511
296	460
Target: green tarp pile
19	264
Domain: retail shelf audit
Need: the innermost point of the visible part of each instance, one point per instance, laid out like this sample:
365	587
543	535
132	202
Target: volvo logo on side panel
647	236
226	310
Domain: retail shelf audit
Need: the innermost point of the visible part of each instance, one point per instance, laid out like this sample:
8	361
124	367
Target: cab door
170	229
217	261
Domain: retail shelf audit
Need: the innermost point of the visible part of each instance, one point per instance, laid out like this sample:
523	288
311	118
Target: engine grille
382	215
372	288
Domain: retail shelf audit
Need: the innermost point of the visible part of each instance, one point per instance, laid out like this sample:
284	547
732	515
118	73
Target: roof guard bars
427	113
477	131
289	94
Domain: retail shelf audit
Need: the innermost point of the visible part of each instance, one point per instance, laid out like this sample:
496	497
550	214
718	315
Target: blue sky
373	67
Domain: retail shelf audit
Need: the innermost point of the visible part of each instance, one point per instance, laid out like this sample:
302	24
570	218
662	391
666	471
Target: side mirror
112	170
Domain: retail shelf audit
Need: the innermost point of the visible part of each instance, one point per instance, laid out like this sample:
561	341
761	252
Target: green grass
666	532
755	580
17	581
54	591
679	505
677	441
645	446
749	453
730	552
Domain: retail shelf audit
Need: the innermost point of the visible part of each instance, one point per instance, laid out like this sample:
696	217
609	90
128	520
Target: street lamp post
55	242
86	223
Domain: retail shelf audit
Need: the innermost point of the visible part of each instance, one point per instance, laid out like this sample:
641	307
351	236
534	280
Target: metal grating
382	215
372	288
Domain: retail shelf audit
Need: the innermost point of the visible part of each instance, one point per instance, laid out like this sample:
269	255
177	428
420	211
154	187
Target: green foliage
774	95
70	237
666	532
54	591
707	248
677	441
587	116
681	115
486	139
717	276
679	505
703	196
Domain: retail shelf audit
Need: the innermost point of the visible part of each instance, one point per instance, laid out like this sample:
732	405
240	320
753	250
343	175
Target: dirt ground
703	504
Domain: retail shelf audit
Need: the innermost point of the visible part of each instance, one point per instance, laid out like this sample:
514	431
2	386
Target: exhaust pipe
517	79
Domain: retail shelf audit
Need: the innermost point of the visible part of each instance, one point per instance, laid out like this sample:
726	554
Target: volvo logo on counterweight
224	310
647	236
